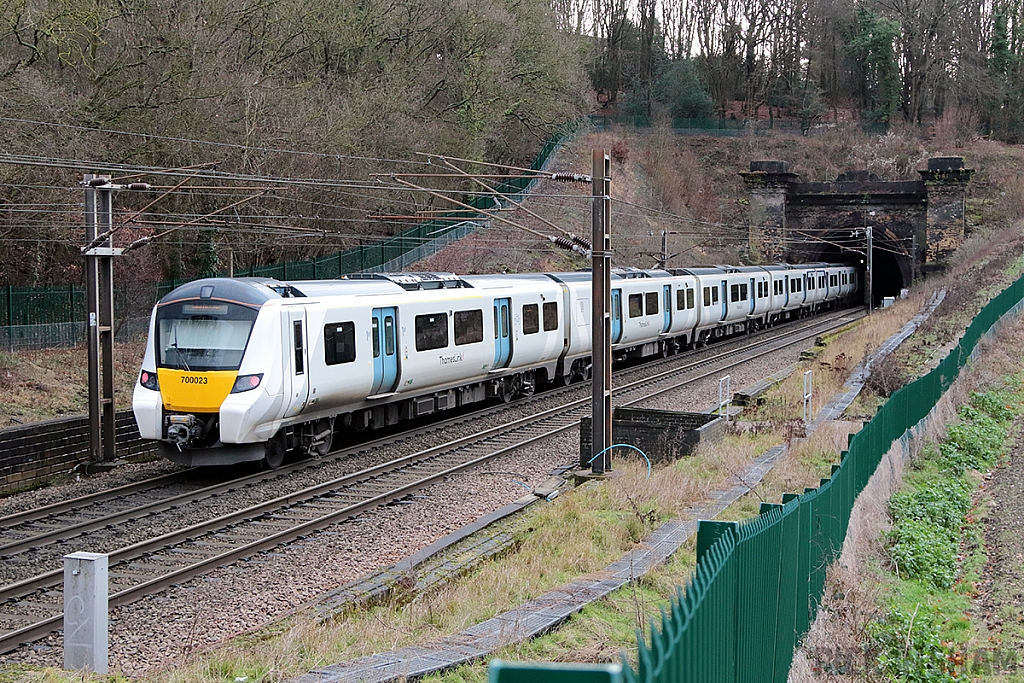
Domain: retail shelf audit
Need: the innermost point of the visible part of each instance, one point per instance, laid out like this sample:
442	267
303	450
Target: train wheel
505	390
322	426
274	457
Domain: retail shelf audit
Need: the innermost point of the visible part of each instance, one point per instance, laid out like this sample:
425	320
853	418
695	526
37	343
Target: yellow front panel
195	392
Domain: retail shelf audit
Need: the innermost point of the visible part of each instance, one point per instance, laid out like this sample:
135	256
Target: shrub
973	445
921	550
909	649
941	502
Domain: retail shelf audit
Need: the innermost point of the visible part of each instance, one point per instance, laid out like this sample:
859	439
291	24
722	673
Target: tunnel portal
915	225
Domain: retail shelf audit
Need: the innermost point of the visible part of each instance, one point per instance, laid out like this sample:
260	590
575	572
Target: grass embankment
933	594
49	383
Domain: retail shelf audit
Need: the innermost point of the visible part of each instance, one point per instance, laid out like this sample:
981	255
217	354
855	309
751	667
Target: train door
384	336
725	300
752	294
502	333
785	288
667	306
616	315
298	365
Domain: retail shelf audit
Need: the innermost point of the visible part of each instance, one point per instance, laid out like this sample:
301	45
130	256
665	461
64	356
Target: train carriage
246	369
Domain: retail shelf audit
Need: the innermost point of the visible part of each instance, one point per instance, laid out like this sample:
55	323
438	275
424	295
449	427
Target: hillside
691	185
660	181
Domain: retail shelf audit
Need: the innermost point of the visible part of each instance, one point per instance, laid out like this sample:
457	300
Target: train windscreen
203	335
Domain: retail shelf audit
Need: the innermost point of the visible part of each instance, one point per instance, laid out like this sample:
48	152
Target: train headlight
148	380
246	383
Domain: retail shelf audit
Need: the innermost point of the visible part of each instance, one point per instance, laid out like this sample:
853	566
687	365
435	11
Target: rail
155	563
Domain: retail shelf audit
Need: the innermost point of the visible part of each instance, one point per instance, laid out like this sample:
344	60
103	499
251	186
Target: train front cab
202	370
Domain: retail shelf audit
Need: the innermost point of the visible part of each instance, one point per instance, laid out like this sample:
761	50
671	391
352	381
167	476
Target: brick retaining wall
34	454
663	435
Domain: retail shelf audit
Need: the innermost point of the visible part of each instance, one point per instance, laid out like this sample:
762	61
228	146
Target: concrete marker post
808	396
724	396
85	612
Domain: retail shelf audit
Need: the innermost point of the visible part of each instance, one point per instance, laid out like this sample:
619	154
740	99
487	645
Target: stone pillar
85	612
768	183
946	184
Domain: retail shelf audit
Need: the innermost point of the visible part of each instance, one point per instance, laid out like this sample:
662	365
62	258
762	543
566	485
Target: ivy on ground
924	544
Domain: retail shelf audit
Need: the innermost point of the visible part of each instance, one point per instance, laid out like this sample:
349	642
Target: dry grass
836	357
49	383
577	534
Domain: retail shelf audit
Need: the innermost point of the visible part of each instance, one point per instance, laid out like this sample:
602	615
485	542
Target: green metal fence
708	126
757	584
50	316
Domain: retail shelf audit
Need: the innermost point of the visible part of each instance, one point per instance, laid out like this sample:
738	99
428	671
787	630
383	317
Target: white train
246	369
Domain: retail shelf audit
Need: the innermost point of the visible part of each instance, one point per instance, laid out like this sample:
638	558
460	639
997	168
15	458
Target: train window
744	292
339	343
431	331
652	303
795	285
689	298
707	296
832	280
469	327
375	333
299	355
734	293
389	335
550	316
680	299
531	320
636	305
714	295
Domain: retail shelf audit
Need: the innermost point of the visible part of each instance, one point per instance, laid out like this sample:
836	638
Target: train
248	369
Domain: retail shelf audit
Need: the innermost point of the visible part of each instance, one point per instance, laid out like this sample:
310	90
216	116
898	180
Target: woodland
274	116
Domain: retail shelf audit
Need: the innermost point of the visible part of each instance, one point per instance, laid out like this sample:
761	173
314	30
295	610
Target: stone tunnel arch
916	225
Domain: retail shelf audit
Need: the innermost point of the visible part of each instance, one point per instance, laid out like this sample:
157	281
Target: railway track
31	605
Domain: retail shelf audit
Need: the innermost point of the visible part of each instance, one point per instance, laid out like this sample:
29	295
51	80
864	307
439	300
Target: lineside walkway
547	611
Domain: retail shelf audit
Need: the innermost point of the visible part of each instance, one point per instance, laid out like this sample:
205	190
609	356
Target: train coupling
182	429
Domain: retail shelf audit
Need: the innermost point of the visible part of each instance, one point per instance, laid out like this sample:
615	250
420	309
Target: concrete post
85	612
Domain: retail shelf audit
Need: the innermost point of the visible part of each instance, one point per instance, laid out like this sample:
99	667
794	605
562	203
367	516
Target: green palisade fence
757	584
33	317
